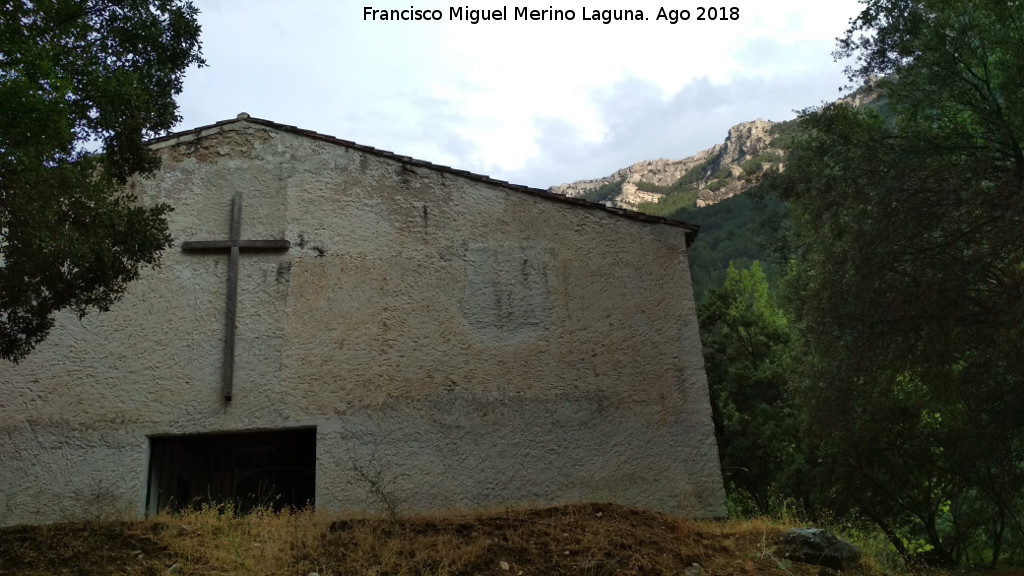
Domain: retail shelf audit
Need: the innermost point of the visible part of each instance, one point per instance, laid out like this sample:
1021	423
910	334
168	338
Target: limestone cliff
663	186
705	178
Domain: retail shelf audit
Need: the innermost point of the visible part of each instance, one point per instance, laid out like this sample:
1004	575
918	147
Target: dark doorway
245	469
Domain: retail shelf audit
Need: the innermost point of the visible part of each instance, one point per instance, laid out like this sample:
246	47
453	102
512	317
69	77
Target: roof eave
691	229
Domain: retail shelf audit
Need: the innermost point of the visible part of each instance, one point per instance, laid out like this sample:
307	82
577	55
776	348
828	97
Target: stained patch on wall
506	292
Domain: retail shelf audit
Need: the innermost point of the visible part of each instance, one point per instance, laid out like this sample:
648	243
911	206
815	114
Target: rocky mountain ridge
662	187
705	178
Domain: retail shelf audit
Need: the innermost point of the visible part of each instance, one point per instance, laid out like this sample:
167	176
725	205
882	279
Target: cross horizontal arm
219	245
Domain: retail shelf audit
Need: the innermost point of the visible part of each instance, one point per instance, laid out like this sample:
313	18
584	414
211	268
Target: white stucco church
339	326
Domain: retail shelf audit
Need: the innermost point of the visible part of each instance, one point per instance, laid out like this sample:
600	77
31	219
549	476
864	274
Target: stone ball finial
242	116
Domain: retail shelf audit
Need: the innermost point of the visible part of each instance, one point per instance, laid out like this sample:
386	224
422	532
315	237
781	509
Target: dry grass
585	539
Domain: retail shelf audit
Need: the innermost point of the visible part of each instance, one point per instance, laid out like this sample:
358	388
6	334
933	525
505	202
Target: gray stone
819	547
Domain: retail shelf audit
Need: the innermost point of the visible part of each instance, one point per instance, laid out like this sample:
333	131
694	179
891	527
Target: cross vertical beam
234	247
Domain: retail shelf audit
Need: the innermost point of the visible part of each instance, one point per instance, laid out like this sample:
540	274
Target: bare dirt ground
586	539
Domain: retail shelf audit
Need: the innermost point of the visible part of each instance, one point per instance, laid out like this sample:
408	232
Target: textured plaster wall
464	345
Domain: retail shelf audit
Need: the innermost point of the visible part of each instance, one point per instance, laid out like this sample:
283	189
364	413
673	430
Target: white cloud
535	102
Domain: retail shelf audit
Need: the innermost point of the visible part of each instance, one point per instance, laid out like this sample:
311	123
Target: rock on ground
817	546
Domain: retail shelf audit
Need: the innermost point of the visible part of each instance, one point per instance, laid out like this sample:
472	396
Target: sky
533	102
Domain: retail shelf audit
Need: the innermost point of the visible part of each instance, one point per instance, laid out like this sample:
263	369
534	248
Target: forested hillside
731	231
865	350
706	189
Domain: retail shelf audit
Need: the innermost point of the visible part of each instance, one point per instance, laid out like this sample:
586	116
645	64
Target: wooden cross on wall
233	246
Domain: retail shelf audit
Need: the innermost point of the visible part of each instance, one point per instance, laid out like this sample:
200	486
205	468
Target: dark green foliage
670	204
907	244
756	165
747	354
79	75
716	185
783	133
604	192
730	232
691	177
655	188
722	173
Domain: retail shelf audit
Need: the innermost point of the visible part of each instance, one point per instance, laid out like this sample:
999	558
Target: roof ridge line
691	229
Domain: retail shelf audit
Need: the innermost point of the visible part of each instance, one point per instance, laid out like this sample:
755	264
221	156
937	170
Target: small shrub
604	192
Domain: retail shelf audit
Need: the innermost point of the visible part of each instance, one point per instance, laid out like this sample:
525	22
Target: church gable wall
454	343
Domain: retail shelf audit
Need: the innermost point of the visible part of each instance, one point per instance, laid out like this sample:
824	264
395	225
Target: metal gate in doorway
271	469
